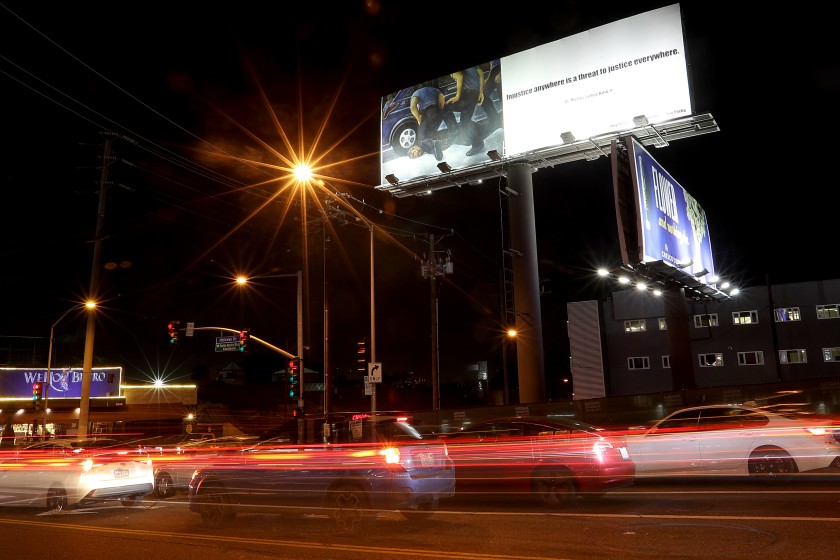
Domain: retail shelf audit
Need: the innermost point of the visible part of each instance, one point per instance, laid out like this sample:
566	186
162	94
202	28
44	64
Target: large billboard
64	383
593	83
666	224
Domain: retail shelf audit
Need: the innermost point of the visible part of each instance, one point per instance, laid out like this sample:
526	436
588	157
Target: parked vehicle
553	459
59	474
373	463
738	440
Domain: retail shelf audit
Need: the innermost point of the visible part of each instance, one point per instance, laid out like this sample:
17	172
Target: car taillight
600	448
391	454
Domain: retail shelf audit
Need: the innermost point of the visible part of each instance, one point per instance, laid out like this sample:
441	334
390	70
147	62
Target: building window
831	354
784	314
666	362
641	362
663	326
710	360
744	317
793	356
708	320
635	325
828	311
751	358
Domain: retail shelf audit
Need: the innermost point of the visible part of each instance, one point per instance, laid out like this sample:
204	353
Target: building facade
766	334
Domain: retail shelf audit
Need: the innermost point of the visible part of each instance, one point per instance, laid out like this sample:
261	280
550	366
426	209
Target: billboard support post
526	285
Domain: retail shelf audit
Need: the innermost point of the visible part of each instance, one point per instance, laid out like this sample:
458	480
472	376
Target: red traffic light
36	391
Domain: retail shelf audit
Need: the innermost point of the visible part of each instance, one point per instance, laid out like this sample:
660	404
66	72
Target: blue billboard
672	225
64	383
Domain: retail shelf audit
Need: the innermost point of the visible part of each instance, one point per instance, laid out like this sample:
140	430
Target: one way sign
375	372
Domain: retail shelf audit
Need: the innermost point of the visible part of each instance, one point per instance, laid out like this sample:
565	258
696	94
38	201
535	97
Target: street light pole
49	369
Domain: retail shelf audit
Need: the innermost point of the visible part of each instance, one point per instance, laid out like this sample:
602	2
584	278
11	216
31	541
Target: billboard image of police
456	118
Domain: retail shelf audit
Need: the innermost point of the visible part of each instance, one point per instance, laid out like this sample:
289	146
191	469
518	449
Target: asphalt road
695	519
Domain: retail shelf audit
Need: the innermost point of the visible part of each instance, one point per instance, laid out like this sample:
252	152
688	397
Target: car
372	463
734	439
65	473
552	459
399	126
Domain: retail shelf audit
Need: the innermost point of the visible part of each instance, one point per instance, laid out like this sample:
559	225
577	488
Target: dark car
399	126
553	459
374	464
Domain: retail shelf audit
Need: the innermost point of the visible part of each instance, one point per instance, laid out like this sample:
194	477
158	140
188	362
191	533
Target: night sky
189	95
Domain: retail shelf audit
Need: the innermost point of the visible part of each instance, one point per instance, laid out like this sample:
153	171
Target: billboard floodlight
444	167
494	155
567	138
392	179
641	120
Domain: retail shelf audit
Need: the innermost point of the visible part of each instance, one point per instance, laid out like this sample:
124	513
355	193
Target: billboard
596	82
65	383
666	224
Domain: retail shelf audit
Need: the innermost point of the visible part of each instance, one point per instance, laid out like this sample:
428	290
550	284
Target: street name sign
227	343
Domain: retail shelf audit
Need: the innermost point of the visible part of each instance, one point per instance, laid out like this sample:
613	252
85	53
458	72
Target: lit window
663	326
744	317
635	325
831	354
828	311
793	356
710	360
784	314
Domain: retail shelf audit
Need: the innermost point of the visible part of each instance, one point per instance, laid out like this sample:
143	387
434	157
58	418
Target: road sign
375	372
227	344
190	329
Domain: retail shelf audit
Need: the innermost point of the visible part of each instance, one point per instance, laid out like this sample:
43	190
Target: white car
60	474
740	440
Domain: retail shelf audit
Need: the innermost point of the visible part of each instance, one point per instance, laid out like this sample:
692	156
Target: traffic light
173	328
294	379
362	356
244	338
37	392
297	412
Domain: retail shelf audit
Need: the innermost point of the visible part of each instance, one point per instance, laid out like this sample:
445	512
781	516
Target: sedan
739	440
375	463
60	474
553	459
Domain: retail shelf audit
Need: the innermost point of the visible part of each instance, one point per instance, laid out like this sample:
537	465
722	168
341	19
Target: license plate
427	460
624	454
121	473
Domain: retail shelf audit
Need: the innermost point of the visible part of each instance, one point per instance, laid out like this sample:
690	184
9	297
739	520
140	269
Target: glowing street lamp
90	305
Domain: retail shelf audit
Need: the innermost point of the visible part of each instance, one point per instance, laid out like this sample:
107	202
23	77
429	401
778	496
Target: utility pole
84	402
431	269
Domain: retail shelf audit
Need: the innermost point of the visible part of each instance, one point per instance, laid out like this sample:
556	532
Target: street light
89	305
242	280
87	367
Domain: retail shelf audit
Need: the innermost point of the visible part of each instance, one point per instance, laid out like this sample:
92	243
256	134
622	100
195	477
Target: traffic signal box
244	339
37	393
294	380
173	328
